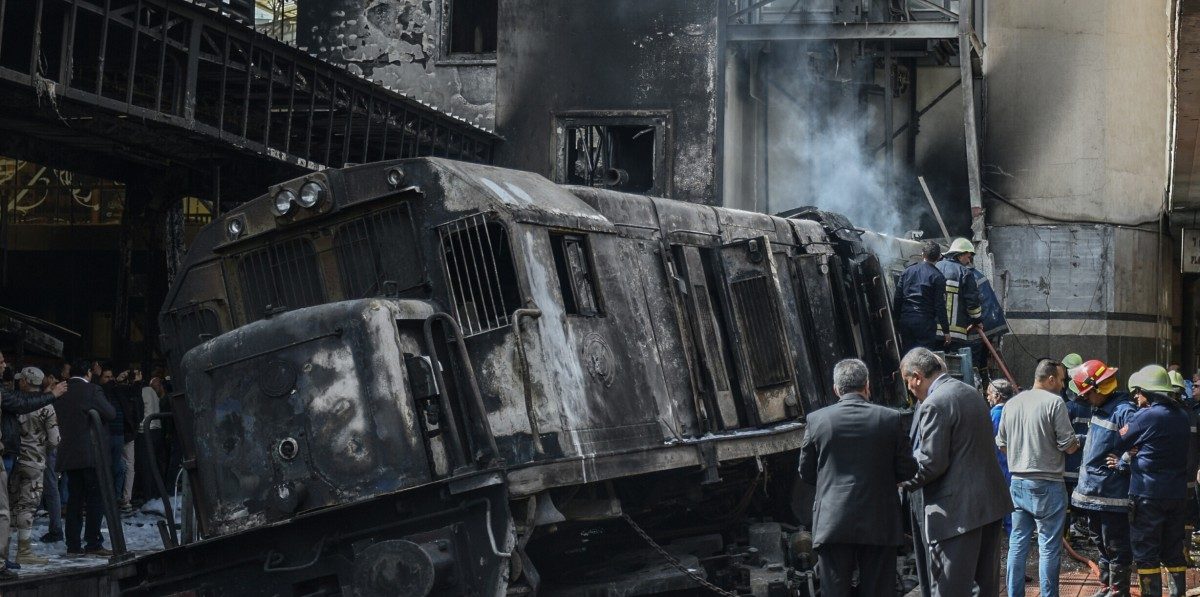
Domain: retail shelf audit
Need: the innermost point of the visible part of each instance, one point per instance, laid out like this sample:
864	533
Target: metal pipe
524	363
451	425
158	480
103	466
480	414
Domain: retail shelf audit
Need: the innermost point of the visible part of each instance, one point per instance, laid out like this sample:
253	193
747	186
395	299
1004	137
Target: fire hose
1074	555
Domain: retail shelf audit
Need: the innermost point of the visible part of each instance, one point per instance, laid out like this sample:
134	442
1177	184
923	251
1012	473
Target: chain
700	580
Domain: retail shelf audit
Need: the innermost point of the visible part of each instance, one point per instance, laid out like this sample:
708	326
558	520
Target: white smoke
823	133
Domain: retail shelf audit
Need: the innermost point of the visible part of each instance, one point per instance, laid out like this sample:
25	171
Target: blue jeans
1040	504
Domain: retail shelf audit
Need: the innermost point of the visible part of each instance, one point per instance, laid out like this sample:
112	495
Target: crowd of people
972	468
50	453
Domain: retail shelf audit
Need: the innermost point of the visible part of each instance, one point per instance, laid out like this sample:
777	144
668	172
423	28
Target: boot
25	554
1151	583
1119	578
1177	583
1105	581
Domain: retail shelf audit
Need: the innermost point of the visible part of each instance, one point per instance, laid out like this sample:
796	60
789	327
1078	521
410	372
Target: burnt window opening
194	327
480	273
618	156
377	255
473	26
762	327
572	260
280	277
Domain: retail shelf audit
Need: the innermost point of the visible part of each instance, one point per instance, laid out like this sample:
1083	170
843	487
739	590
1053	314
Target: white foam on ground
141	537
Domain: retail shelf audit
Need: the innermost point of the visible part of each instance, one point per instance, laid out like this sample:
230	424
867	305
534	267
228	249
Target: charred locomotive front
480	382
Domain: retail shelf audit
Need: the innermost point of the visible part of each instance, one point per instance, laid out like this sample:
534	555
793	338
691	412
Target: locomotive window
377	254
618	157
281	276
754	299
479	272
195	326
574	266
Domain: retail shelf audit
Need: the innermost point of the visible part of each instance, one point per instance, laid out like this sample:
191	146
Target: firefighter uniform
920	306
963	306
1102	494
1158	483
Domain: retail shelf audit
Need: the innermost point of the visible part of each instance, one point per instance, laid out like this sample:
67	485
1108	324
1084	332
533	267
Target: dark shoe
1105	582
74	553
1176	582
1120	581
11	565
1150	583
52	537
98	552
6	574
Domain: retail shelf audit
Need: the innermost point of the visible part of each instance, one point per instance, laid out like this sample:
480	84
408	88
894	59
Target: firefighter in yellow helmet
963	306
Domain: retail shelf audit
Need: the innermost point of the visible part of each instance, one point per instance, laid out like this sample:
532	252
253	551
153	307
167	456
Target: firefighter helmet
1070	362
1153	378
1092	375
961	245
1177	381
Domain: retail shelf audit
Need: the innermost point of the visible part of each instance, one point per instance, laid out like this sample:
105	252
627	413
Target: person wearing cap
963	306
39	433
20	403
1102	494
1160	432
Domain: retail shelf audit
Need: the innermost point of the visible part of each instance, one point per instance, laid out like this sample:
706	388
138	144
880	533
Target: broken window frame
660	121
360	244
579	281
498	297
447	57
290	271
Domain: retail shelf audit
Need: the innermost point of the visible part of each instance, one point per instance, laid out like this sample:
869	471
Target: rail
103	466
170	539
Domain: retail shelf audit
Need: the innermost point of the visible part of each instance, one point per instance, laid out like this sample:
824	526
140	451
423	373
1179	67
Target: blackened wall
401	44
659	57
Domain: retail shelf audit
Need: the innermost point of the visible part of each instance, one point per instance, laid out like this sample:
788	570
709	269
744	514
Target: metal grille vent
479	273
194	327
280	277
762	327
377	255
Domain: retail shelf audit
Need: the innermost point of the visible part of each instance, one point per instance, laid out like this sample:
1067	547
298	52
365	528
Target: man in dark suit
855	453
963	491
75	459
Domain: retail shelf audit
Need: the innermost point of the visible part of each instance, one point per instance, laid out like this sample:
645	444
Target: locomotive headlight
235	227
283	201
311	194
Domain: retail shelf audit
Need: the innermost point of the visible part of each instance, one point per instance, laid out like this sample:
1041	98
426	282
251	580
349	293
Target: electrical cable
1062	220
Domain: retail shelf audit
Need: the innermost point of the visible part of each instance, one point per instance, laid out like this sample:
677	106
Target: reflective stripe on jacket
1100	487
962	298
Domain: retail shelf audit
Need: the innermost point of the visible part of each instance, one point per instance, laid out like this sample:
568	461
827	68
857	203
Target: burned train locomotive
430	377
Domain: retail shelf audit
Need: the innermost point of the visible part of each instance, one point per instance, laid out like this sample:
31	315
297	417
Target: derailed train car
430	377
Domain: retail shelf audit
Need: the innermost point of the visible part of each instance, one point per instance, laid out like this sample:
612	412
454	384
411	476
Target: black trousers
1113	530
83	489
915	332
1156	533
876	566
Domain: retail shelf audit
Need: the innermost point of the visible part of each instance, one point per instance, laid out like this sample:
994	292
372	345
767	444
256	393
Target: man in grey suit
963	491
856	453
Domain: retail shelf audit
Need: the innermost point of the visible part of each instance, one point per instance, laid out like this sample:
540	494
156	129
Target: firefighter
1193	454
1160	432
1080	411
920	303
963	308
1102	494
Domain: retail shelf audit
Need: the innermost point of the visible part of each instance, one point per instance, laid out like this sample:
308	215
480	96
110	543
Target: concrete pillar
1077	144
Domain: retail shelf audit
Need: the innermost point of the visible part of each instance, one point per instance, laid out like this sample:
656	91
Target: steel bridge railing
169	62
